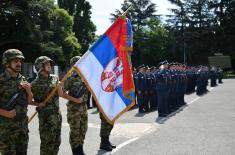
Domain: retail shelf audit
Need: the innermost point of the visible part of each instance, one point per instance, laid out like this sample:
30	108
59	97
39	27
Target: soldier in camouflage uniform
13	122
49	115
76	92
105	131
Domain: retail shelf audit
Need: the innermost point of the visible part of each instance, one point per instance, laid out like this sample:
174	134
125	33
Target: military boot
81	150
112	145
78	150
75	151
104	145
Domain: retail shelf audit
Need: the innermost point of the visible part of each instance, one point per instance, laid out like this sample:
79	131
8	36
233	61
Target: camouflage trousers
13	139
50	133
105	128
78	121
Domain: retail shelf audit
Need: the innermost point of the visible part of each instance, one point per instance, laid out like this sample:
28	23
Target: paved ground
204	127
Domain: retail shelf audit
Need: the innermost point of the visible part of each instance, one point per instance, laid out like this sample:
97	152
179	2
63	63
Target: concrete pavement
205	126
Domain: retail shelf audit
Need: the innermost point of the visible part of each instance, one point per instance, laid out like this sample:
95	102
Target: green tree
193	29
83	27
16	24
37	27
69	5
61	25
224	29
155	43
142	11
18	28
177	26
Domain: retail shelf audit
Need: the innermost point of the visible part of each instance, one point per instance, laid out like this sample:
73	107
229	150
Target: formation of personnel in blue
164	88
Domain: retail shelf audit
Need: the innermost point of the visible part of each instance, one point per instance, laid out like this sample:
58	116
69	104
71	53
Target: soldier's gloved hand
79	100
61	83
27	86
10	114
60	89
41	105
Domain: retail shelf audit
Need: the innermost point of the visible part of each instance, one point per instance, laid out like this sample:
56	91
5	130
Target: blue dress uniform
191	81
194	72
153	93
135	83
148	92
220	75
178	89
216	75
199	83
202	81
141	87
194	78
205	80
207	77
171	90
184	87
213	77
174	87
163	92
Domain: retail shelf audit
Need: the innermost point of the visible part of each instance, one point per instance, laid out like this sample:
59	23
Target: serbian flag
107	72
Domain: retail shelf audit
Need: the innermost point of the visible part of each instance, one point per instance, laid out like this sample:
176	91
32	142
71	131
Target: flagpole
52	93
125	12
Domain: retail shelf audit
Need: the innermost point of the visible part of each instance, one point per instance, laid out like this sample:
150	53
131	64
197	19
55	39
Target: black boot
75	151
81	150
112	145
78	150
104	145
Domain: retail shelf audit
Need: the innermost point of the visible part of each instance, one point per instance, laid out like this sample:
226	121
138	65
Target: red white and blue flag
106	69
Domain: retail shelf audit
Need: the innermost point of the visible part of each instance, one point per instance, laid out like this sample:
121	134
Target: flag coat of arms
107	72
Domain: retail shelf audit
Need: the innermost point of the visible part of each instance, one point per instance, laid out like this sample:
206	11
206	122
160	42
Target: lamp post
184	48
213	41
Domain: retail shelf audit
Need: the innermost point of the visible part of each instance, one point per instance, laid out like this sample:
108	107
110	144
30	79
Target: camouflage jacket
73	84
8	87
41	88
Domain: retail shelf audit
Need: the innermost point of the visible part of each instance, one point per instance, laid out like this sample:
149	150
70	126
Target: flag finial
125	12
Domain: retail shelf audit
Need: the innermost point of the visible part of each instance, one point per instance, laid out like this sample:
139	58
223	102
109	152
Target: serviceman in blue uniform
149	91
141	88
153	91
184	84
162	89
171	87
213	76
199	82
220	75
135	77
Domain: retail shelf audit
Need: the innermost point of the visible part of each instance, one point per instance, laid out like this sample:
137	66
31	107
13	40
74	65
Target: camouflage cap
12	54
74	59
40	61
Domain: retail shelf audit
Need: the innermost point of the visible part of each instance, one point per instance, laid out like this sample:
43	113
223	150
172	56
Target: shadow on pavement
95	112
140	114
133	108
162	120
102	152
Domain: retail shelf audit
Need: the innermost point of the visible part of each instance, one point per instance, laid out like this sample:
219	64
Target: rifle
52	93
11	104
79	92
